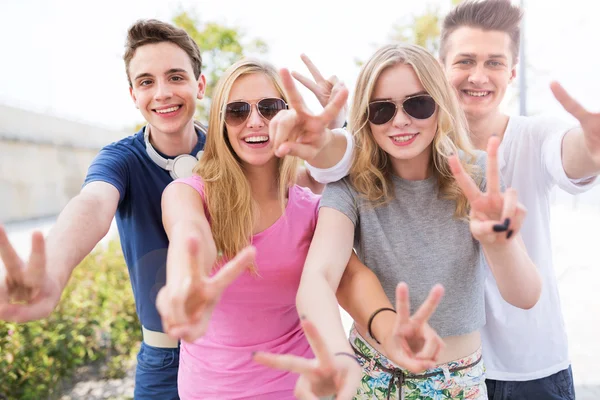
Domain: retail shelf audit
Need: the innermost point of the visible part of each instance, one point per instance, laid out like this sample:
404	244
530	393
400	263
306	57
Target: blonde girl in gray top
420	206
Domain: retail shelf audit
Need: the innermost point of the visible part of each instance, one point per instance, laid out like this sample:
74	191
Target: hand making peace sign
324	89
27	292
590	122
495	217
297	131
324	375
413	344
186	307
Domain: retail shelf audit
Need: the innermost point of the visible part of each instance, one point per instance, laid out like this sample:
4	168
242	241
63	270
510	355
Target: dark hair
489	15
151	31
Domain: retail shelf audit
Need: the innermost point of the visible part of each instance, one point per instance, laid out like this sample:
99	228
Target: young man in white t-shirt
525	351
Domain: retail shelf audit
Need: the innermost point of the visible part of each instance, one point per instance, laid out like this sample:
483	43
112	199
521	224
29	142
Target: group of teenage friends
422	210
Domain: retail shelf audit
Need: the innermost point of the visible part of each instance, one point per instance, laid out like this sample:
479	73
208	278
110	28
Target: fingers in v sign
414	345
27	291
571	105
324	375
322	88
297	131
590	125
186	306
23	280
495	215
323	360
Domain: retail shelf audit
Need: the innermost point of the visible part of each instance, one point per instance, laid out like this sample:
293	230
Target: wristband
371	321
339	170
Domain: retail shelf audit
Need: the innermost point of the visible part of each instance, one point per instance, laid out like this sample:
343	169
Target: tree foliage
220	46
422	29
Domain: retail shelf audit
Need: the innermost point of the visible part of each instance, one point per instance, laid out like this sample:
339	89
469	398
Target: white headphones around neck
181	166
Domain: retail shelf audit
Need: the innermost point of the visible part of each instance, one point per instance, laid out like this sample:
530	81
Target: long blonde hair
371	172
232	210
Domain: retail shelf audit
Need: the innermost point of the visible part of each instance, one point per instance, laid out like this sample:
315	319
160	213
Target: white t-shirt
522	345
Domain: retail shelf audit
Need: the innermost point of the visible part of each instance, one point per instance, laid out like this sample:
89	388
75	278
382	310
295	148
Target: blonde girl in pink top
244	200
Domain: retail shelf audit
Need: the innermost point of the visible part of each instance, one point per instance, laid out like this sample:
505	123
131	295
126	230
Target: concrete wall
43	161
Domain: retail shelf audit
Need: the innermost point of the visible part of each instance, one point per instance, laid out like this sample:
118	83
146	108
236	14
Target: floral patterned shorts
457	380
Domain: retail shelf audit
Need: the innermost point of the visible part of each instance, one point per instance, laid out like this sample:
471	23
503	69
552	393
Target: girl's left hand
325	375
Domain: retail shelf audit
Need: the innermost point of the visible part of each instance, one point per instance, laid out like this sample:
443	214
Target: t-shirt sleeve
313	200
306	203
110	166
550	133
196	183
317	204
340	196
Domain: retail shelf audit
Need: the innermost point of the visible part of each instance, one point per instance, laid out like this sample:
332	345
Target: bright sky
63	57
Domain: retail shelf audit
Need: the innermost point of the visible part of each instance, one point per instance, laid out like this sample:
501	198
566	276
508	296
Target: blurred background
64	94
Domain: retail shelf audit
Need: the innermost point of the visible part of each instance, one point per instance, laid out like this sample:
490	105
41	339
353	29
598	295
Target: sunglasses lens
269	108
420	107
381	112
237	112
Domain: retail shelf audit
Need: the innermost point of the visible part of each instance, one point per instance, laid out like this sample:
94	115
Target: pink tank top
256	313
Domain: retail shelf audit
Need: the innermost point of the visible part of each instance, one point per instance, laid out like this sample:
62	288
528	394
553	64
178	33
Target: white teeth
401	139
256	139
168	110
477	94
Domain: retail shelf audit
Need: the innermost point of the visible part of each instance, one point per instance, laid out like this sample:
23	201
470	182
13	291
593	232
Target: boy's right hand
185	307
27	292
323	89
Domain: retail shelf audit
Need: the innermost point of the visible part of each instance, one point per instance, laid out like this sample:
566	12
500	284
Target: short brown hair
489	15
150	31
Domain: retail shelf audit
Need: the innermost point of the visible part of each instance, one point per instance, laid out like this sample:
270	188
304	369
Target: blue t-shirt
140	182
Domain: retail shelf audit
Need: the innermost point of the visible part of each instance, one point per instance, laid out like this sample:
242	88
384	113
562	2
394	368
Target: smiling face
480	66
164	88
404	138
250	139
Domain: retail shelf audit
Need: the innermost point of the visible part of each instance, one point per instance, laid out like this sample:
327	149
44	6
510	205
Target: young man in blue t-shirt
126	180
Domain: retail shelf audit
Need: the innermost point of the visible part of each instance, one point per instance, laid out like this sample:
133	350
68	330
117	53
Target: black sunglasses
421	106
237	112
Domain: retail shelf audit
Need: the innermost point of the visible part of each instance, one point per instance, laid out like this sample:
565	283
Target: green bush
96	319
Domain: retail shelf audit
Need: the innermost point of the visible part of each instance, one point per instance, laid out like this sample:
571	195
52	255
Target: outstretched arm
407	340
38	284
327	258
187	300
581	145
335	369
495	221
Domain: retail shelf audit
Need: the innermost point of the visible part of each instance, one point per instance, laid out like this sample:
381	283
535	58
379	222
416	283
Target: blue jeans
156	373
554	387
